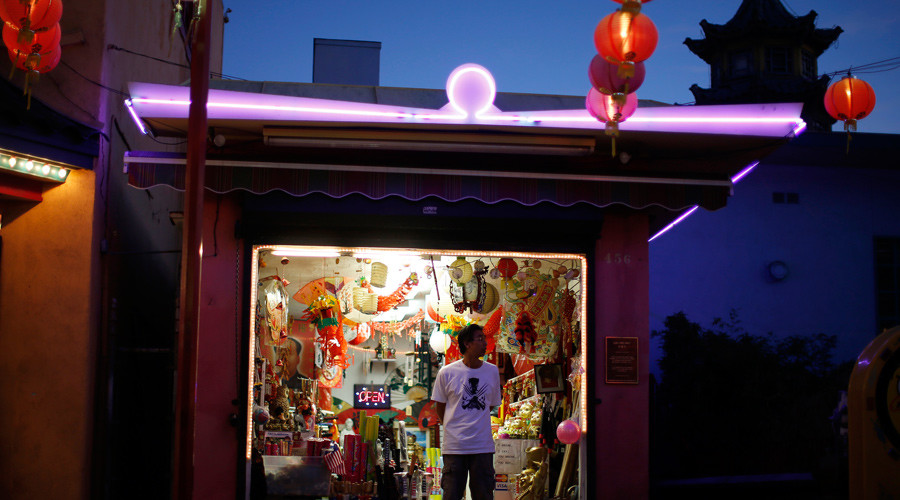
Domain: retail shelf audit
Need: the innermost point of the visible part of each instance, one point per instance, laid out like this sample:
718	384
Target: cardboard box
509	454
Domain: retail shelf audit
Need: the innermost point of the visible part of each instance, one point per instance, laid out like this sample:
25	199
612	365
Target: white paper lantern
440	341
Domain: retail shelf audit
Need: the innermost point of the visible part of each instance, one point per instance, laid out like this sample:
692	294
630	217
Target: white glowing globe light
439	341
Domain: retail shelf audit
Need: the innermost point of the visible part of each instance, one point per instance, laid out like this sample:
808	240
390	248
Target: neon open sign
369	396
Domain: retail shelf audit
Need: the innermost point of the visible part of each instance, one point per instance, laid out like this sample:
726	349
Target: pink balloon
605	75
568	432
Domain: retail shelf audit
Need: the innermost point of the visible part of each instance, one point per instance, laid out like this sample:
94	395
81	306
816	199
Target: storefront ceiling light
305	252
32	167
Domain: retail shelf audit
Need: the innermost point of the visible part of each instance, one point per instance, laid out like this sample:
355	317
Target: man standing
464	394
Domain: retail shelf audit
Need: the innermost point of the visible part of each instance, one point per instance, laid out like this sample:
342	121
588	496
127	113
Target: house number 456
617	258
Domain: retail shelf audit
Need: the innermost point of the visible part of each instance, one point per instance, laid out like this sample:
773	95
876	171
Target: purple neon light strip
742	120
734	180
135	117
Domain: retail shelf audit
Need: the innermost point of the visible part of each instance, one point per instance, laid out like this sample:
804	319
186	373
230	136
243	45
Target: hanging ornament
625	38
507	268
33	52
460	270
31	15
849	99
608	109
440	341
604	77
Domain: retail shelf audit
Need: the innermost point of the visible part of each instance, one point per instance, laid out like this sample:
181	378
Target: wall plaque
621	360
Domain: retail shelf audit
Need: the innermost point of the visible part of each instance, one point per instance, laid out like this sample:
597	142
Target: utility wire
873	67
185	66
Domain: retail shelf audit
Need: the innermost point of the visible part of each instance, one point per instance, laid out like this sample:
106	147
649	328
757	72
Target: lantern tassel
849	126
612	130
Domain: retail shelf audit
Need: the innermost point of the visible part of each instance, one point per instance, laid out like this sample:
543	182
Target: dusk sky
537	46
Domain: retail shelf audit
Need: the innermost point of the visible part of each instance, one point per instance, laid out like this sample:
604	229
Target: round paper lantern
507	268
604	77
41	43
605	107
460	271
440	341
625	37
491	298
31	14
849	100
568	432
612	110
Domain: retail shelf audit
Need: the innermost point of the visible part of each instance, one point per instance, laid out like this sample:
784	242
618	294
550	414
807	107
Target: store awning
673	157
147	169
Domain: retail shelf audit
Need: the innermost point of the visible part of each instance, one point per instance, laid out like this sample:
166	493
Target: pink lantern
612	110
609	108
568	432
605	77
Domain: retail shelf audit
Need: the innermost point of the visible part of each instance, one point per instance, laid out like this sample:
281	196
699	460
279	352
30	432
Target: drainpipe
191	260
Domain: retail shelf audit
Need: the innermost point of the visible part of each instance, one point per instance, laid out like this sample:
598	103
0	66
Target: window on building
887	281
790	198
740	64
809	66
778	60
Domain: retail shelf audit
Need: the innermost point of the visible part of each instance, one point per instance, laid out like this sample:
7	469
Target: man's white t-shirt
469	394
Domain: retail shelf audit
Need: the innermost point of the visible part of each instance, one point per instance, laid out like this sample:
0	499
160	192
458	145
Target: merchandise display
346	345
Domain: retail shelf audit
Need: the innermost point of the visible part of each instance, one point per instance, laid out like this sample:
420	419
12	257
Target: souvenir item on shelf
533	478
275	307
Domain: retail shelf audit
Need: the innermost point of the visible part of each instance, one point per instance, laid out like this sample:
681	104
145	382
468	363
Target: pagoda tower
766	54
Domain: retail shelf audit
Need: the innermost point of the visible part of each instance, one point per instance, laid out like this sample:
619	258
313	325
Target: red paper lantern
605	77
42	42
31	14
624	38
849	100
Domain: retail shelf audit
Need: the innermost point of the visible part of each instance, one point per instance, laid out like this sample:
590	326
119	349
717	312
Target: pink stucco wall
219	445
619	434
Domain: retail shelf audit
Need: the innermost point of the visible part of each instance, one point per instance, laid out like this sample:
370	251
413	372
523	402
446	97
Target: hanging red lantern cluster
624	39
32	36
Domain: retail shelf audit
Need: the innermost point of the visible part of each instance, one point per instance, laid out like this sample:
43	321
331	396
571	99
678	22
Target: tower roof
757	19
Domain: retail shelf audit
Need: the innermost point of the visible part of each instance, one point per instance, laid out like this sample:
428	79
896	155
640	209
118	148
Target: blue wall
715	261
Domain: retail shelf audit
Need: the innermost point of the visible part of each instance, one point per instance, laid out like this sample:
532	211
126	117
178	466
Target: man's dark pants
478	468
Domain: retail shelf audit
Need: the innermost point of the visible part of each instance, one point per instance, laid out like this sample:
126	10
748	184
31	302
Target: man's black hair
466	335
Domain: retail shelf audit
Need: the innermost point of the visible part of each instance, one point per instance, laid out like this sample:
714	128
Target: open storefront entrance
345	345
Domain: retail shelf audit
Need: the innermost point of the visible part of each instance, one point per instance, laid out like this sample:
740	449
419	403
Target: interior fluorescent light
305	252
